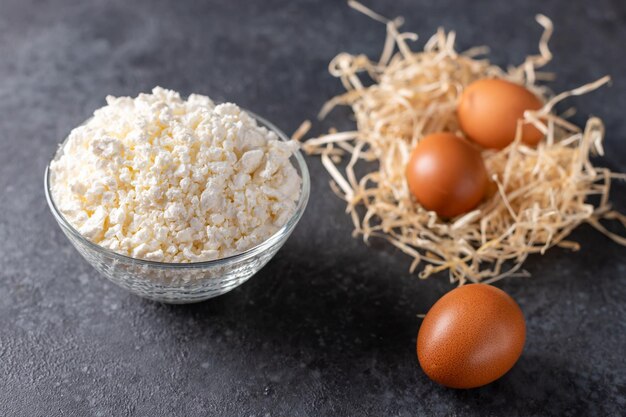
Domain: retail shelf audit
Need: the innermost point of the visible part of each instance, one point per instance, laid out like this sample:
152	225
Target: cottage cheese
166	179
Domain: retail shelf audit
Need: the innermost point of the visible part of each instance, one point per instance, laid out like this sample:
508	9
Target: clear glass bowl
180	283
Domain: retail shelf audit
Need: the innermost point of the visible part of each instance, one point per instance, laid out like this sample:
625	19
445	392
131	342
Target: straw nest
538	195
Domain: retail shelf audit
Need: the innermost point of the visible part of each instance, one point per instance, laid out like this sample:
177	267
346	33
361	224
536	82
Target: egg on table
446	174
489	110
472	336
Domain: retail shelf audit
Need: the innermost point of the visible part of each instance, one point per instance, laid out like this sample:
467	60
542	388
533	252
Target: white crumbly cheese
166	179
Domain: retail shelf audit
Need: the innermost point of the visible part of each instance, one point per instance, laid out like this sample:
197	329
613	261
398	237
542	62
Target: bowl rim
285	230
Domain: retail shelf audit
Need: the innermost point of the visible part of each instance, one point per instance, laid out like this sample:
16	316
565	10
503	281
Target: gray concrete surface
328	328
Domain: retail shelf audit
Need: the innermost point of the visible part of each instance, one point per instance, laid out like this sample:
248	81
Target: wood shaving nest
539	195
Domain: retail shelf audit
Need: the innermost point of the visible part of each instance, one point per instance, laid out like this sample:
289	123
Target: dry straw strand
539	196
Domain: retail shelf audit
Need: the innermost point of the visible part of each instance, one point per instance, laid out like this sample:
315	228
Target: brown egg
489	109
472	336
446	174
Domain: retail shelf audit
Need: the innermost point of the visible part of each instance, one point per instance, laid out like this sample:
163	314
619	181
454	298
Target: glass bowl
181	283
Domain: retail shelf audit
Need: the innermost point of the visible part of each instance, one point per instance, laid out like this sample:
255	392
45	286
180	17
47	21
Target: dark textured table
329	326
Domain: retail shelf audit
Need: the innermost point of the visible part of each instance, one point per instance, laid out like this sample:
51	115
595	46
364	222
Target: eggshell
489	110
472	336
446	174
